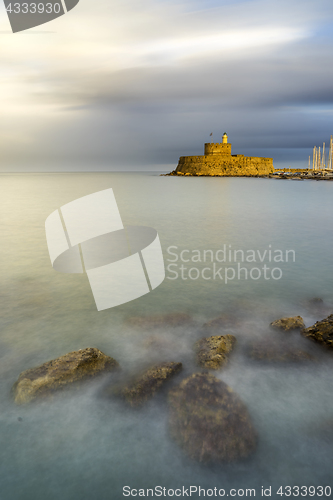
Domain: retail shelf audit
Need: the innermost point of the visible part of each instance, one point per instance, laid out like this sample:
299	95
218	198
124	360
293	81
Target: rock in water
213	352
287	324
321	332
60	372
210	421
150	382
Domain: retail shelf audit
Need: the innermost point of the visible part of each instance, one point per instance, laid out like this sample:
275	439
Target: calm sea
84	445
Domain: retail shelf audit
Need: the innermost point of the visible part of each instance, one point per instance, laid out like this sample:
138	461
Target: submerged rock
321	332
209	421
213	352
322	428
145	387
279	353
226	320
58	373
315	301
157	342
317	307
286	324
160	320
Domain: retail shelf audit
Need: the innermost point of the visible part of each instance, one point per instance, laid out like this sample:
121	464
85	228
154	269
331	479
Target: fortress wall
221	165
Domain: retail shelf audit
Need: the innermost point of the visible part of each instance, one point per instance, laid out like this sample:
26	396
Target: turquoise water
83	445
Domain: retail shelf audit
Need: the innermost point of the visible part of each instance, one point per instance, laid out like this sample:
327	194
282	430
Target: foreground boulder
286	324
160	320
58	373
213	352
278	353
321	332
145	387
209	421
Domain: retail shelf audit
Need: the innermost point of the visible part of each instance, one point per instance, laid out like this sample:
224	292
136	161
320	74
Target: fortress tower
218	161
219	148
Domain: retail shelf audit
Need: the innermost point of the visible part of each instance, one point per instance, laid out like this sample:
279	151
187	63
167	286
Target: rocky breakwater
209	421
303	174
59	373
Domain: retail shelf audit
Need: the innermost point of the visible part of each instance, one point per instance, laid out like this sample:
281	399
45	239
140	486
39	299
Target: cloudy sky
134	84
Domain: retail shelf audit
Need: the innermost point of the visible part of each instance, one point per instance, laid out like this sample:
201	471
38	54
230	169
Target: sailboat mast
322	159
319	158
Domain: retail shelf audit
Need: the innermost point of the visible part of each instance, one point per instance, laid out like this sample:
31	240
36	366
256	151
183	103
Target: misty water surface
83	445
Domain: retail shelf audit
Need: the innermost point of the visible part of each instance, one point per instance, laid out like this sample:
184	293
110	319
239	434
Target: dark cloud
276	98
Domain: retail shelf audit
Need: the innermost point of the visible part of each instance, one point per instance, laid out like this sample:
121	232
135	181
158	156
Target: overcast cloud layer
135	84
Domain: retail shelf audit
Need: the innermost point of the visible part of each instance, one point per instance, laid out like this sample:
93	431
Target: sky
134	84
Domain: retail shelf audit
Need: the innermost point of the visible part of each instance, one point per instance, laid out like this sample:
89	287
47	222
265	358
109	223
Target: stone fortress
218	161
